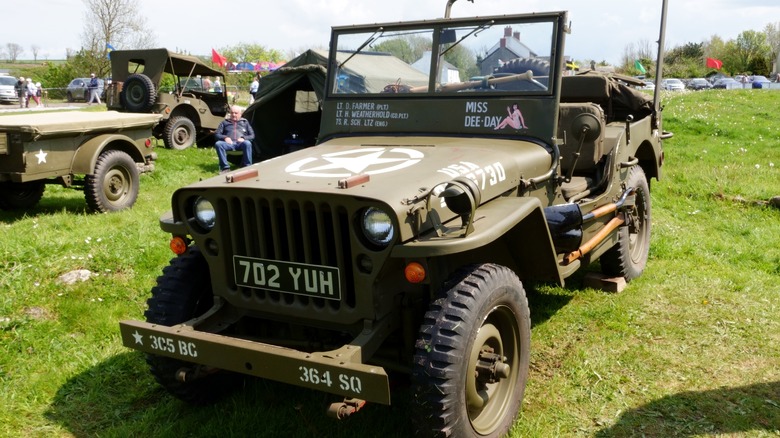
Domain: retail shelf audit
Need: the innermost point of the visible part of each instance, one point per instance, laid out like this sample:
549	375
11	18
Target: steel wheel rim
116	184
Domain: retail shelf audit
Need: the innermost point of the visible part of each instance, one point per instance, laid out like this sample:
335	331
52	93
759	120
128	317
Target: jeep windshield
446	77
483	55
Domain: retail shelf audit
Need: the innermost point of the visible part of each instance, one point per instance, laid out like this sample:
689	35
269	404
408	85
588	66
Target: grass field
691	348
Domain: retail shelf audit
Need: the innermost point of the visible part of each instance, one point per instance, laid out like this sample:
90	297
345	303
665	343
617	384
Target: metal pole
659	64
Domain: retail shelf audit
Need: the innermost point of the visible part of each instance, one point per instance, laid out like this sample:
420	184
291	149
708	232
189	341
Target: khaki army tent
287	110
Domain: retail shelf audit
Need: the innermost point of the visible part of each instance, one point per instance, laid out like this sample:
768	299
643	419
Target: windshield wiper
368	41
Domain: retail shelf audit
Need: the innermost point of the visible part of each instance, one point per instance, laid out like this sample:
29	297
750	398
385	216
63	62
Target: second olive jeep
191	108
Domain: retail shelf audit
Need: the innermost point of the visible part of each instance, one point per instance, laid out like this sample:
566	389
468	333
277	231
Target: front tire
183	292
628	257
114	184
179	133
472	355
19	196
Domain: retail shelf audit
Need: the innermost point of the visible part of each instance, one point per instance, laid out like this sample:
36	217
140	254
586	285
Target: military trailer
400	244
102	153
190	109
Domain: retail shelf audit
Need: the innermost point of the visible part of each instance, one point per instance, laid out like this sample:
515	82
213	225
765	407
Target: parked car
726	83
78	89
699	84
673	84
8	90
759	81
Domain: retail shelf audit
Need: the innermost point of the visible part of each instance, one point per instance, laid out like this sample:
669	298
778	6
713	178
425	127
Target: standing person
254	88
38	92
94	93
32	93
217	86
206	84
21	91
235	133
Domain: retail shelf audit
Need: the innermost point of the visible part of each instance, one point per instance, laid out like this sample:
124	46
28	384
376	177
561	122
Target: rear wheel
179	133
183	292
69	96
114	185
472	355
19	196
628	257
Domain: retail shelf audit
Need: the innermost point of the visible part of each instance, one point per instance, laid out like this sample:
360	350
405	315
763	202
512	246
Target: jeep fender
518	222
85	158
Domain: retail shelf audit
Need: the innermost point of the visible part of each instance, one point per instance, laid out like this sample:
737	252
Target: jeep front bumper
337	372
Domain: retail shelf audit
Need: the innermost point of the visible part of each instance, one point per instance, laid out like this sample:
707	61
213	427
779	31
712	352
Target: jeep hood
398	168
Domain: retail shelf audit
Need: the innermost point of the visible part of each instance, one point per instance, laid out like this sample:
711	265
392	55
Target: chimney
508	31
516	35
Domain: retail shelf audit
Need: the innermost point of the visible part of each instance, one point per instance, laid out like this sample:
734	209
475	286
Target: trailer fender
86	157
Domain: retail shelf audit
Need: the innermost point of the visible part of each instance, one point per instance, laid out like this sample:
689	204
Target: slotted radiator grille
288	230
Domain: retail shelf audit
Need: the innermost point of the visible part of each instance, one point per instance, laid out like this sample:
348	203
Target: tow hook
491	367
344	409
186	375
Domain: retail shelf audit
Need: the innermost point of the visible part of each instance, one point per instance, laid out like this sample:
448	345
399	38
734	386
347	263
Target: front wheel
628	257
472	355
179	133
183	292
114	184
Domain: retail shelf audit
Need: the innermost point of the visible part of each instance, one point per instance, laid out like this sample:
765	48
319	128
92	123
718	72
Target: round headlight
205	215
378	227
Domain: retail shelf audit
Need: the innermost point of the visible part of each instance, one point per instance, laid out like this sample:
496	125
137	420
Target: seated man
234	134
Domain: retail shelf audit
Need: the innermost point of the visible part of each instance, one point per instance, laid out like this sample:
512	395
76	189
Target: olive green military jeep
402	241
191	109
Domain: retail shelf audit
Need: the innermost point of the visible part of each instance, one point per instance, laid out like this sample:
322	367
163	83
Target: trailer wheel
19	196
628	257
138	93
114	184
183	292
472	355
179	133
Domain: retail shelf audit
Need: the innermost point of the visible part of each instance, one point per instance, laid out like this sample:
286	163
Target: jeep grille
287	230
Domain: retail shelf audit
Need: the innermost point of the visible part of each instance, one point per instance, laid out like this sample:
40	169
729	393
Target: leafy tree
115	22
246	52
750	45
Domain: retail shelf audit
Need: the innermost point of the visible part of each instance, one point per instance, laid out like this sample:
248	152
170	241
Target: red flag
714	63
217	58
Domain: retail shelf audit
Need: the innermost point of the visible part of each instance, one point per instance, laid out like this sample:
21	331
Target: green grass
691	348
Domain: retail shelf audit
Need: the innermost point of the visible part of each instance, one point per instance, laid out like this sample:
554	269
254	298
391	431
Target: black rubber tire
628	257
179	133
183	292
20	196
138	93
480	306
521	65
69	96
114	184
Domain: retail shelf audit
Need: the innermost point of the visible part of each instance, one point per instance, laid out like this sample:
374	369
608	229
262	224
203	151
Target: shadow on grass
719	411
48	206
119	397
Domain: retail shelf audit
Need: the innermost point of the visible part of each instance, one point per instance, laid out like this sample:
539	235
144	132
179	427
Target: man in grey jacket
235	133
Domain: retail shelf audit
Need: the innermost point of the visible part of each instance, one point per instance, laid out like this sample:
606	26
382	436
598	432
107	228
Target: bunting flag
109	49
638	65
714	63
218	59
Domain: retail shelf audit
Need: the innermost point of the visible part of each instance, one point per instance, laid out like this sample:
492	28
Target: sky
601	29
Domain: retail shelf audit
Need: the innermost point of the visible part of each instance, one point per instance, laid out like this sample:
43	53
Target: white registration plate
296	278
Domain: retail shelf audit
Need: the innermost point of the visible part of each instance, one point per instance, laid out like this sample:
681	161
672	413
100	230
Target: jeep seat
586	167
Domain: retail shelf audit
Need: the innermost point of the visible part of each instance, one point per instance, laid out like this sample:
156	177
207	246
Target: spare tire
521	65
138	93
